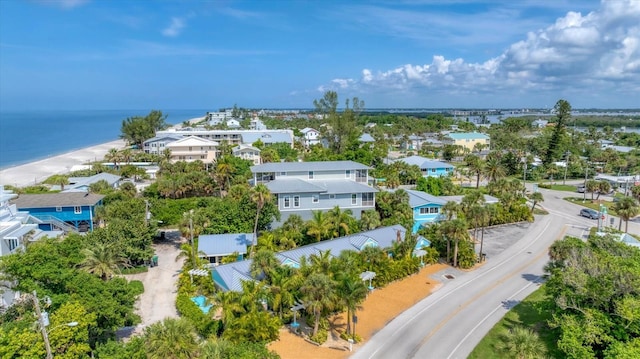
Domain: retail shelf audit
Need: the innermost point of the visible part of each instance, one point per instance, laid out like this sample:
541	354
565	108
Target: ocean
27	136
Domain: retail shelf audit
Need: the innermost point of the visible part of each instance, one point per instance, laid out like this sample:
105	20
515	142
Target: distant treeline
615	121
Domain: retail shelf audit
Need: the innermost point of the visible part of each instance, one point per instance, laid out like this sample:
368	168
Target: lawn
532	313
593	205
558	187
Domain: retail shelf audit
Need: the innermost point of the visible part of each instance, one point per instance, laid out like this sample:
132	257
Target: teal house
426	208
429	168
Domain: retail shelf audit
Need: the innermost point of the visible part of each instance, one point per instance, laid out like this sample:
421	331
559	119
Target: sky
187	54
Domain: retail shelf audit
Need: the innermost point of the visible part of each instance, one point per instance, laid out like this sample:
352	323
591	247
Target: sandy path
159	298
380	307
36	172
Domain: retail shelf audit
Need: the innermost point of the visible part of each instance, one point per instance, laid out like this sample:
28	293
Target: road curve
450	322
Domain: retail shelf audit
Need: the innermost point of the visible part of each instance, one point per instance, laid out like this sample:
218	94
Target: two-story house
247	152
310	136
303	187
429	168
68	211
469	139
16	229
158	144
193	148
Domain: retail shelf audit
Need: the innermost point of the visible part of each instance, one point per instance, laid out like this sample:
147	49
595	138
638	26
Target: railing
57	223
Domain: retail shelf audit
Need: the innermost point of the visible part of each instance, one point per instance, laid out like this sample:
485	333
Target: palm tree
535	197
102	260
521	343
191	255
340	221
263	265
171	338
113	155
229	304
552	171
369	219
456	230
476	166
352	292
260	195
60	180
318	295
494	169
626	208
318	226
321	262
224	172
281	290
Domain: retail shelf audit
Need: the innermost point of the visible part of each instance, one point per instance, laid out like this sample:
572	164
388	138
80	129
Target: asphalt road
451	322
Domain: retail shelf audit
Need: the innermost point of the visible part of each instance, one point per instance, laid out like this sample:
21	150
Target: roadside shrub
137	287
134	270
320	337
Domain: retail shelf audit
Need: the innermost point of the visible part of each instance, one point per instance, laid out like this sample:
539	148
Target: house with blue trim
427	208
428	167
82	184
303	187
217	246
68	211
229	277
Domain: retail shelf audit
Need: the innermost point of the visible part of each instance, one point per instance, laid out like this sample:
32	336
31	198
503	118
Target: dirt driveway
160	291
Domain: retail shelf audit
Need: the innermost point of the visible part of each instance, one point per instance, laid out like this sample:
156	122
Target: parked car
589	213
580	189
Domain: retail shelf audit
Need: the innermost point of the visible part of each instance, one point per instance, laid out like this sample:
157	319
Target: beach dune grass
533	313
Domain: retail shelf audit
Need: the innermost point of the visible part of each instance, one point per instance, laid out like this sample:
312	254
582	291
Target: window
13	244
58	209
433	210
77	209
354	199
347	174
287	202
367	199
332	196
433	170
310	174
283	173
296	201
315	198
424	210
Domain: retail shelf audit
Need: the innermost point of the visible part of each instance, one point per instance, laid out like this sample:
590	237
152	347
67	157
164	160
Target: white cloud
175	28
574	54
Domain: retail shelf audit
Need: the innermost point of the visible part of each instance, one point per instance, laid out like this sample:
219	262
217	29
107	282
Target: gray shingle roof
224	244
65	199
233	273
267	137
308	166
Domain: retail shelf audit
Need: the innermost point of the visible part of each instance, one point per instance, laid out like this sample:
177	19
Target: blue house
217	246
230	276
66	211
429	168
426	208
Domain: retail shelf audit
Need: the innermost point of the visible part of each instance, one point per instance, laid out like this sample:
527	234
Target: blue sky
90	54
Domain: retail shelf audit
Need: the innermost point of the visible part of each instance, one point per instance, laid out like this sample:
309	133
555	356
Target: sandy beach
37	171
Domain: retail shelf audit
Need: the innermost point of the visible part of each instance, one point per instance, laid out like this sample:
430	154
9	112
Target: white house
257	124
310	136
16	228
233	123
303	187
235	137
247	152
157	144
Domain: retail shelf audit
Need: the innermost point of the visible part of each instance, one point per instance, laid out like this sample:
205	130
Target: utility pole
42	325
586	171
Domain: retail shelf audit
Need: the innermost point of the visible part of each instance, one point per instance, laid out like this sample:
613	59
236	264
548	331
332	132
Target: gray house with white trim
303	187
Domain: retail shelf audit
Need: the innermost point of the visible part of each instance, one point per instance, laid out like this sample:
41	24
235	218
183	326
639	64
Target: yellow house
193	148
469	139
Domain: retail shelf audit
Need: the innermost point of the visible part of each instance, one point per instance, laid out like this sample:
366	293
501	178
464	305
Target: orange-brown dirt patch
380	307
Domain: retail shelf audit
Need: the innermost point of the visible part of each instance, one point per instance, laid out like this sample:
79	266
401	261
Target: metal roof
468	136
267	137
293	185
308	166
224	244
345	186
424	162
487	199
65	199
419	198
234	273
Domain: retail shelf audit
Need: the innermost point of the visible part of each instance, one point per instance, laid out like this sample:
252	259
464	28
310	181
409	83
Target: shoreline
35	172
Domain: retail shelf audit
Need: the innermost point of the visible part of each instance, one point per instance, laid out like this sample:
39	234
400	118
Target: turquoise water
31	135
